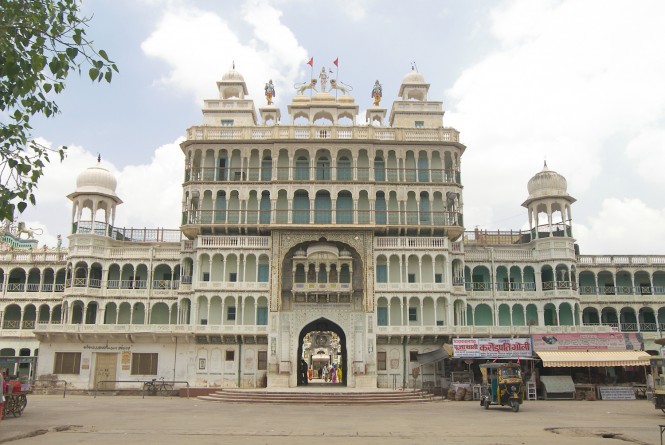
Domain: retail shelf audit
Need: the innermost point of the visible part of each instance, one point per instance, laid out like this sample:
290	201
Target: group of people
331	373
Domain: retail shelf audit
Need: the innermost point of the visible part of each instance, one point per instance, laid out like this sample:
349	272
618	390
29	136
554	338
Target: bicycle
158	385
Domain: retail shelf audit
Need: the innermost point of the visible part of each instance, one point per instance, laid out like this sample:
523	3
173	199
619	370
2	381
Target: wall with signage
490	348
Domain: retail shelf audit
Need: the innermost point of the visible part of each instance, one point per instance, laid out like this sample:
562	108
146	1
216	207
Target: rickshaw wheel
487	403
515	405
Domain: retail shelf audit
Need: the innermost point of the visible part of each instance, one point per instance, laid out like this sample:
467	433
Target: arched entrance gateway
323	314
323	343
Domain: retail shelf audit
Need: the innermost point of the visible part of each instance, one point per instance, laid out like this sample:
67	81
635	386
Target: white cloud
151	193
562	84
647	151
622	226
200	46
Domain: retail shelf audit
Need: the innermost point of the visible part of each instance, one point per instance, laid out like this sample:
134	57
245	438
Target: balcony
234	242
350	218
413	243
232	285
326	174
620	260
127	233
150	328
284	132
399	287
322	287
642	293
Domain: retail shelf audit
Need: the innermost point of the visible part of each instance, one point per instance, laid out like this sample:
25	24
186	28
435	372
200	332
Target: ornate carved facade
315	228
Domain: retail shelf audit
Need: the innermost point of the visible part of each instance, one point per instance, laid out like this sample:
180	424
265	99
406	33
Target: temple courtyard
127	420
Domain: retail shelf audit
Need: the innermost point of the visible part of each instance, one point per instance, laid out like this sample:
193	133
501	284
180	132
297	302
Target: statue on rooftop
324	79
22	228
377	93
301	87
270	92
335	85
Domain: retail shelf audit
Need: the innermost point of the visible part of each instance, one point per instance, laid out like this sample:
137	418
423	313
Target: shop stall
608	366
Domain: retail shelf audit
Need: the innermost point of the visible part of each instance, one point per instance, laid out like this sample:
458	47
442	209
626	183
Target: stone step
317	397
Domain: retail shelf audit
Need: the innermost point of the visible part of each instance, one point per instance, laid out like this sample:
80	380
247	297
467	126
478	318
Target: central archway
319	328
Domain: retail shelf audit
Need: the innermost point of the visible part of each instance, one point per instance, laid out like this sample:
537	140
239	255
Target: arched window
379	169
323	169
302	169
344	169
344	211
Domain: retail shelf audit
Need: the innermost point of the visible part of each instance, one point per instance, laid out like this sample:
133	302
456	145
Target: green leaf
93	73
72	53
103	54
47	87
107	76
21	206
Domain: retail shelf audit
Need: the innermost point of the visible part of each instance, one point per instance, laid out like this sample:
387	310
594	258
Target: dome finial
99	158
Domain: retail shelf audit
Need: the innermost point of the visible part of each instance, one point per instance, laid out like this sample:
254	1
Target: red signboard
584	342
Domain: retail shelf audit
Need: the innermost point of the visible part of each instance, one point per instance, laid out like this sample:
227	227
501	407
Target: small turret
232	108
95	192
414	110
548	194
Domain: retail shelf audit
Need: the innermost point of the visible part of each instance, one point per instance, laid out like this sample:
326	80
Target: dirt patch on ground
595	432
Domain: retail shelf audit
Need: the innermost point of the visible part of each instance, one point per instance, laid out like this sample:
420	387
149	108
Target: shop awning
433	356
572	359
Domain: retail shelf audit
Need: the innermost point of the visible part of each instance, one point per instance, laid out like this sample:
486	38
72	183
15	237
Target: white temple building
308	236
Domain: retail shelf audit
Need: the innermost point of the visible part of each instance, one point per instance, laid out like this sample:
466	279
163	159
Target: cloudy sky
576	82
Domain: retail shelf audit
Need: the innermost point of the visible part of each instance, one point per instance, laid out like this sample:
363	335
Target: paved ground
168	420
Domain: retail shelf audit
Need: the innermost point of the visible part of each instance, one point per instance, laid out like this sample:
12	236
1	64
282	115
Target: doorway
105	370
321	342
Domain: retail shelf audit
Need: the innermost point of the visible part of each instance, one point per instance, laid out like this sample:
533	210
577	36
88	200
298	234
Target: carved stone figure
377	93
300	88
335	85
324	79
270	92
22	228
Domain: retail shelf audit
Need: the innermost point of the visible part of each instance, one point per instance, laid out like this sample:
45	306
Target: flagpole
336	62
336	74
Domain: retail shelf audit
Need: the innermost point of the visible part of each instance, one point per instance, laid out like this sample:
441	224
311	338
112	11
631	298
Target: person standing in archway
339	374
303	371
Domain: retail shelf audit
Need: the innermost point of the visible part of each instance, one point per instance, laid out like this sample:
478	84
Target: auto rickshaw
656	383
502	385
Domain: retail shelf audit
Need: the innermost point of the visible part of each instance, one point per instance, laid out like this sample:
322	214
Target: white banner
492	347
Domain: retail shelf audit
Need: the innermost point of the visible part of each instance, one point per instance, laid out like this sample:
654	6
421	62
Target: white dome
233	75
547	183
413	77
97	180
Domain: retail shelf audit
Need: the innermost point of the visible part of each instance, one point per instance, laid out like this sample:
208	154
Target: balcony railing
621	260
327	216
317	132
127	234
322	287
326	173
416	242
622	290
